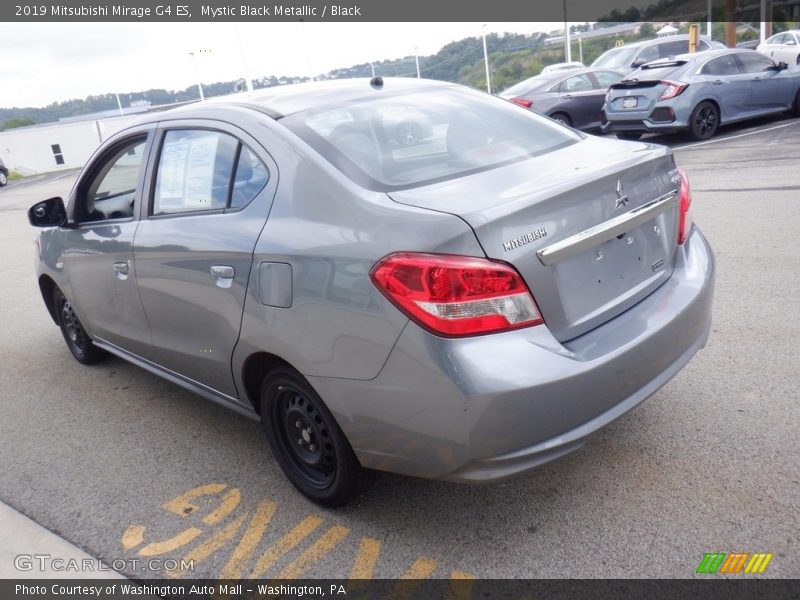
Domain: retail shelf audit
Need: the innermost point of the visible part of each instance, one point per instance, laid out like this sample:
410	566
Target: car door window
577	83
200	170
724	65
111	192
647	55
790	40
674	48
607	78
753	62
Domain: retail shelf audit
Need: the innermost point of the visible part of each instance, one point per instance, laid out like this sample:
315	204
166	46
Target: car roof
661	40
284	100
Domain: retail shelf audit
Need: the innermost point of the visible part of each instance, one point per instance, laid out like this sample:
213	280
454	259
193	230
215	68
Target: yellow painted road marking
327	542
229	502
182	506
284	545
133	536
173	543
252	535
366	559
211	545
764	564
404	589
461	586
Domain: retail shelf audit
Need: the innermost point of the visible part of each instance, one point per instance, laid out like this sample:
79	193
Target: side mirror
637	63
48	213
782	65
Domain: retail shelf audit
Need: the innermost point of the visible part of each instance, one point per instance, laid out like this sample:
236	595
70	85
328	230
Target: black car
574	98
3	173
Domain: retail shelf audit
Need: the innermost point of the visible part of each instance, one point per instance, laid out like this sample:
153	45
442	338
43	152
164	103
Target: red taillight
685	222
522	102
673	89
456	295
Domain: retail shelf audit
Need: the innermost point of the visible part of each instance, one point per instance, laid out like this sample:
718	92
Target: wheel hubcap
306	437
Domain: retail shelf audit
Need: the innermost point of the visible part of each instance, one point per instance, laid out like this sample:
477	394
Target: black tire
704	121
3	178
308	443
630	136
562	118
796	105
78	341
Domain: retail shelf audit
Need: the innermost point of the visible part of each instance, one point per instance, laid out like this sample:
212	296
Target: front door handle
567	97
223	275
718	82
121	269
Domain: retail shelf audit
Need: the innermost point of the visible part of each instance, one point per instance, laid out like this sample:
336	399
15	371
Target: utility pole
567	41
416	59
708	23
197	74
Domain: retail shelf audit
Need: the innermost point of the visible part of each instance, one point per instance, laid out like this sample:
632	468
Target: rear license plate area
629	102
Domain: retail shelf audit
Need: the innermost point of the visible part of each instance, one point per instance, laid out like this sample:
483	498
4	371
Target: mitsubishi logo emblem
622	199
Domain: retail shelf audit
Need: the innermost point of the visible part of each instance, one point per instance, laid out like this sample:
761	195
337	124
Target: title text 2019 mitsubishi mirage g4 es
463	307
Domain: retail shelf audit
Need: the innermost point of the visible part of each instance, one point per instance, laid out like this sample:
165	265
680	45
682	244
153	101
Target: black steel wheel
704	122
307	442
78	341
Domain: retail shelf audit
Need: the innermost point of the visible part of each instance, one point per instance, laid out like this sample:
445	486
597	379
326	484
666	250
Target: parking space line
421	569
459	588
740	135
230	501
327	542
252	536
133	536
366	559
284	545
173	543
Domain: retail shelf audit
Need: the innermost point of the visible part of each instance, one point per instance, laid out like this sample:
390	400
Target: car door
582	100
97	257
212	186
779	47
770	89
730	86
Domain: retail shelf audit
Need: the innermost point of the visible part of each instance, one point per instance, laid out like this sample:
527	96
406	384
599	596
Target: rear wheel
78	341
562	118
704	122
796	105
630	136
307	442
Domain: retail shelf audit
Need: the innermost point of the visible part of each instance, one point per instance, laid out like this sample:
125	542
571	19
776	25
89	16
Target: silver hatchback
463	306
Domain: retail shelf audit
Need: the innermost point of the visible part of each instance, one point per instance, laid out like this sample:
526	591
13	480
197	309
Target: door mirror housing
48	213
782	66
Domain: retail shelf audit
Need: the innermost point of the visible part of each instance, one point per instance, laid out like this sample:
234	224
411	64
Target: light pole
199	83
708	25
416	59
371	66
580	46
119	104
486	60
567	42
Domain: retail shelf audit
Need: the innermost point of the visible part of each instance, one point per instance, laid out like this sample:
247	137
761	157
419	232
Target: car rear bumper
483	408
642	126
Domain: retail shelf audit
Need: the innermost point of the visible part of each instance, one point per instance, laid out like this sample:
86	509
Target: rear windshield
525	87
405	140
616	57
655	74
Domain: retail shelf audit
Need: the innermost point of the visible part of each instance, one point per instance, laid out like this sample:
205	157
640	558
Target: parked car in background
573	98
3	173
465	311
783	47
748	45
631	56
563	66
697	93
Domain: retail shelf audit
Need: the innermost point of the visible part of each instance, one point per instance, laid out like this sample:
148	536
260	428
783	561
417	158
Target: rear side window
578	83
724	65
400	141
200	170
674	48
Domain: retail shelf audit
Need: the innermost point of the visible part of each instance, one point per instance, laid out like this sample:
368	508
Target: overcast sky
46	62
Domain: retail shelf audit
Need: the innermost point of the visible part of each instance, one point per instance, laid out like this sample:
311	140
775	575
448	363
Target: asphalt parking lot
126	465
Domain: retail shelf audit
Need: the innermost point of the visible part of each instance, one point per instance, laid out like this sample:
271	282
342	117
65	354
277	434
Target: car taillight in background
456	295
685	222
673	89
522	102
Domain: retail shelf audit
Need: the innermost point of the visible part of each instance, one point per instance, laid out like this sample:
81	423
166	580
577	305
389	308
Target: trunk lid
592	228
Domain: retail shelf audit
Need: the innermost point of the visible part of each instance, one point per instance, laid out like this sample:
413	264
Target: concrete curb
25	542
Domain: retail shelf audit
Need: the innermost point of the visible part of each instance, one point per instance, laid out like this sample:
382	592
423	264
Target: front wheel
307	442
78	341
704	121
3	179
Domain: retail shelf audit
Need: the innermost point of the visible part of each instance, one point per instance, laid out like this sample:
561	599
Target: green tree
17	122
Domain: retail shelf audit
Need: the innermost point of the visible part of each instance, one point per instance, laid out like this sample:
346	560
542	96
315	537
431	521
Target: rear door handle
223	275
567	97
718	82
121	269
